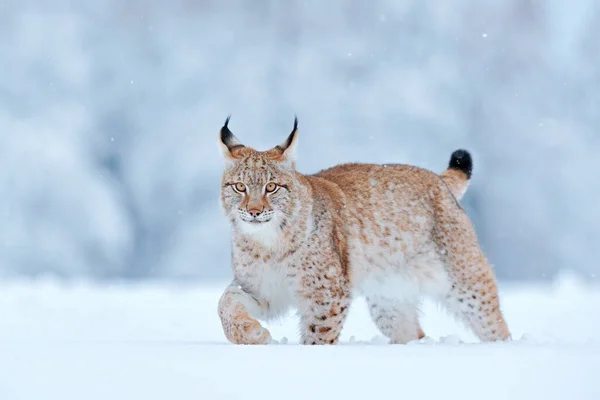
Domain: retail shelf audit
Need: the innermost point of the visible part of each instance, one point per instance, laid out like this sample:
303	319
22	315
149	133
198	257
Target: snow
156	341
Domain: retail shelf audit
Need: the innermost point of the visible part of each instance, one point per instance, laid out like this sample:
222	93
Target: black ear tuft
290	139
227	136
461	160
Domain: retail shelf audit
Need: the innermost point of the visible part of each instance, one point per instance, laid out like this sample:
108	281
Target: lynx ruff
391	233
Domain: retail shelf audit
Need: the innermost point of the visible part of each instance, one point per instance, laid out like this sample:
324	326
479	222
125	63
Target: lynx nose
255	212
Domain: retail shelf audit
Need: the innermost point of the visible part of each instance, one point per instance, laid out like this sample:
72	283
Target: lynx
393	234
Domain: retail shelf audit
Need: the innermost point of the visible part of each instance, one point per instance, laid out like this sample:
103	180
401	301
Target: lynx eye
271	187
239	187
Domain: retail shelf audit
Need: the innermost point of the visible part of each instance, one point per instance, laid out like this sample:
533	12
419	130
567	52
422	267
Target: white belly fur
391	275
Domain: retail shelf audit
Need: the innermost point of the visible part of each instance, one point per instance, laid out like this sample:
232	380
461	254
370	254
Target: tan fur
456	181
390	233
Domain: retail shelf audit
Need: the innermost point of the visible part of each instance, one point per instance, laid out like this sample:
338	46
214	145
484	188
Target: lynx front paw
249	332
243	329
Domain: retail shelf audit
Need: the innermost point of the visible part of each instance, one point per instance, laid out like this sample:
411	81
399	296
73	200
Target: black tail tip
461	160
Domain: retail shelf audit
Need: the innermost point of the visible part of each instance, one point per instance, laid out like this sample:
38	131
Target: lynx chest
271	282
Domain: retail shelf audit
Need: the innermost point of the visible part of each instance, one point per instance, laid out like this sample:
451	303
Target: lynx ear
228	142
288	147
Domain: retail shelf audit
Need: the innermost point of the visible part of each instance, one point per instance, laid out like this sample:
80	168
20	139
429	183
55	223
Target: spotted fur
390	233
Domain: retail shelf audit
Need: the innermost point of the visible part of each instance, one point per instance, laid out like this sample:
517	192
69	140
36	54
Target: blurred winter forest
110	110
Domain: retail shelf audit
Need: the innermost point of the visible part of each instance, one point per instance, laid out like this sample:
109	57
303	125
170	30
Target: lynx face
257	192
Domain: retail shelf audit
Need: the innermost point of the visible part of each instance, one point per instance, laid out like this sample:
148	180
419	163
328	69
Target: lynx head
259	188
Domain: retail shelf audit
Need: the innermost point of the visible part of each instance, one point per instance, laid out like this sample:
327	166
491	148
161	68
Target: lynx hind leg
396	319
235	310
473	297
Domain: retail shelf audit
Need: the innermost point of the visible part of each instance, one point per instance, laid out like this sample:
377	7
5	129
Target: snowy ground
151	341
